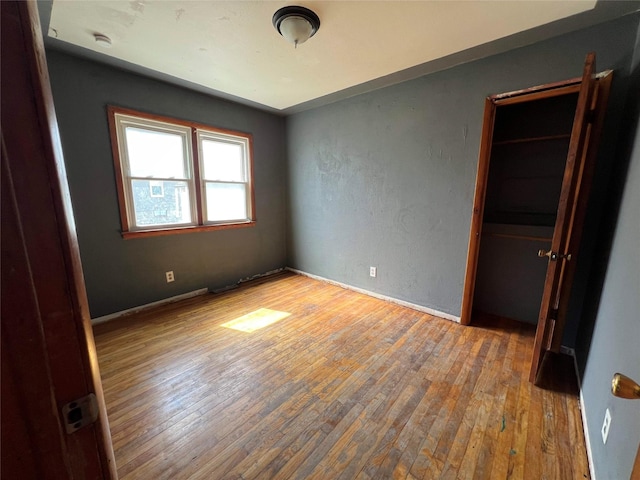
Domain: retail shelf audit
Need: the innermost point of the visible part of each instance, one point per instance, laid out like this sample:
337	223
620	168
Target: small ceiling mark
124	18
137	6
179	14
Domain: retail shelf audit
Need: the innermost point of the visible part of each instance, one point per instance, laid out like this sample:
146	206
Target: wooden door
48	353
635	473
574	186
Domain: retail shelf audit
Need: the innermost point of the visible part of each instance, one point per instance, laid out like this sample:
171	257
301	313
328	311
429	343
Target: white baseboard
420	308
583	414
129	311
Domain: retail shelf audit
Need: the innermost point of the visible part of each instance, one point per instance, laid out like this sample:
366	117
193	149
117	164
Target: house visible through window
176	176
156	188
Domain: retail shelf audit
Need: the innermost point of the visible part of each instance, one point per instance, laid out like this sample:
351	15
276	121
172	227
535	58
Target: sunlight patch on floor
256	320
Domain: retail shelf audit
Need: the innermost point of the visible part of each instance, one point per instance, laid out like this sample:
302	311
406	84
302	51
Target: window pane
226	202
160	203
223	161
155	154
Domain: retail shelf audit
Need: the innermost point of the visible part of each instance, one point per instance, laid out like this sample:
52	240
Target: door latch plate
80	412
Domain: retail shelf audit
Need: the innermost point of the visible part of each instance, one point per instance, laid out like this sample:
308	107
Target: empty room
356	240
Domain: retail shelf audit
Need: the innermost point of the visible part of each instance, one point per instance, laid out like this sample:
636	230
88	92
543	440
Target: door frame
492	103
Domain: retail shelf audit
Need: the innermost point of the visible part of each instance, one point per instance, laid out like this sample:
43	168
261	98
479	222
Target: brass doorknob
553	255
623	387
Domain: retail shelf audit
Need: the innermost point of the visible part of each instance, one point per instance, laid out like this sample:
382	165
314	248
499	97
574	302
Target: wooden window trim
201	226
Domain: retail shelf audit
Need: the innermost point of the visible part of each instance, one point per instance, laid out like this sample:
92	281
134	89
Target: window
175	176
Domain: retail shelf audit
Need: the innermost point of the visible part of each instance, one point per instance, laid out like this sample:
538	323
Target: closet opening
529	151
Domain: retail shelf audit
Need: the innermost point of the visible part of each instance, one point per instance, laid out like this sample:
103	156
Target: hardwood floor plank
345	387
579	463
511	381
495	443
534	458
411	437
408	442
483	393
466	418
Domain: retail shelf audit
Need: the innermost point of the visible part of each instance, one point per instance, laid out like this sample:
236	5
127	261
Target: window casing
175	176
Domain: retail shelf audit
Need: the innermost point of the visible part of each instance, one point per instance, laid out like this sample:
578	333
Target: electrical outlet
170	277
373	272
606	425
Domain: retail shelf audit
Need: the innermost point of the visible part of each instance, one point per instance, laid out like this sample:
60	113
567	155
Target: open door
54	422
576	171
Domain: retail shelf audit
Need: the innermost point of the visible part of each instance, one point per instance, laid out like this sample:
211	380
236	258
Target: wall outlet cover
606	425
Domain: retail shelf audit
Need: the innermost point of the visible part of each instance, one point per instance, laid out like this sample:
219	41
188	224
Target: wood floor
347	386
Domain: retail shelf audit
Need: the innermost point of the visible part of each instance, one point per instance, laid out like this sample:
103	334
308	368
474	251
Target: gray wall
119	273
387	178
611	344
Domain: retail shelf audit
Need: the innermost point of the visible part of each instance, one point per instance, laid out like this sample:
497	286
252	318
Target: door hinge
80	412
551	329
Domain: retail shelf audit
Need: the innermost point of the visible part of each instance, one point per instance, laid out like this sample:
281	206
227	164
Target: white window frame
125	121
193	134
243	142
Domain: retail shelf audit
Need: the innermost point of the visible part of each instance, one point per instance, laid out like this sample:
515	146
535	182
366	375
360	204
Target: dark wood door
574	185
635	473
48	353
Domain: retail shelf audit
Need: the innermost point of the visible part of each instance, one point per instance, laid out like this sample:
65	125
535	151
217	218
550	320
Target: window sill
181	230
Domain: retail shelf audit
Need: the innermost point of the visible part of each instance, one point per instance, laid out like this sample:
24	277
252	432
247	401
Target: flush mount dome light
296	24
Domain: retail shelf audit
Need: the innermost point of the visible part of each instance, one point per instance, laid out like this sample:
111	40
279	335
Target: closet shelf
533	139
517	237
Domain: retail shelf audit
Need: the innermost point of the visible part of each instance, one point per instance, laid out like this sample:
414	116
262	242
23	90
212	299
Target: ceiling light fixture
102	40
296	24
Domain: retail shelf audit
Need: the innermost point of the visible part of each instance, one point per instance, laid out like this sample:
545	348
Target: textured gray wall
613	346
119	273
387	178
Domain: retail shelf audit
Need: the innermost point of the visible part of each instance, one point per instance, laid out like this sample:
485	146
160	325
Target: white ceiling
231	46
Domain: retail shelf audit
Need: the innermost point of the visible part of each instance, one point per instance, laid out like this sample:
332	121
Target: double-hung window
176	176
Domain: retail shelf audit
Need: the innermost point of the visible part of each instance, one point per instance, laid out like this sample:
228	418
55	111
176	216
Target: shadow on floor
557	372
